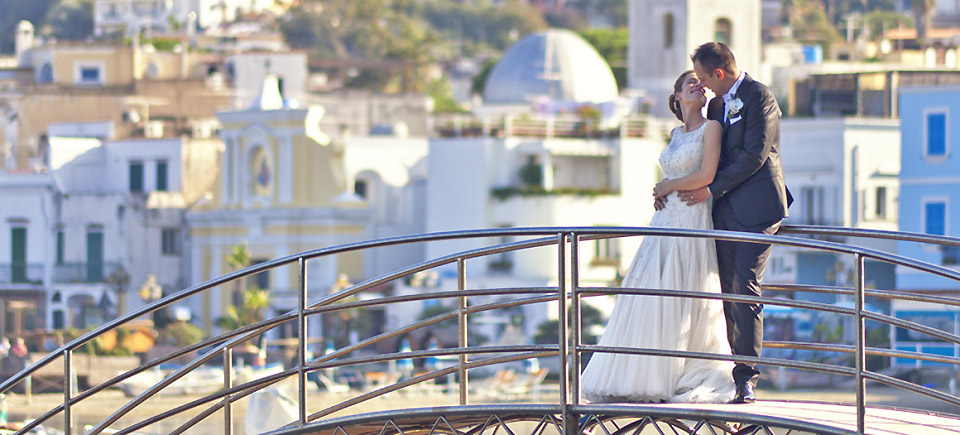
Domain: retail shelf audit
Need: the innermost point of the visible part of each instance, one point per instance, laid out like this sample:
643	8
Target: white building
130	16
121	206
582	177
841	172
663	34
28	202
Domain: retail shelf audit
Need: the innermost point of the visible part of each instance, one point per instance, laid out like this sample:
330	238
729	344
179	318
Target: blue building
929	203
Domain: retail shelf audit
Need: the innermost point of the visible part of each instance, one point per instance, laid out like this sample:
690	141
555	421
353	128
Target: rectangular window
812	198
61	246
935	218
162	184
262	279
136	176
18	255
95	256
502	262
170	241
881	205
936	134
606	252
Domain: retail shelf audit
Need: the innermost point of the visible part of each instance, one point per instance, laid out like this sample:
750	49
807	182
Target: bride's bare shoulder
713	125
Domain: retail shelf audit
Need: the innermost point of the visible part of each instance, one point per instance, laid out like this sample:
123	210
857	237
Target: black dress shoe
744	394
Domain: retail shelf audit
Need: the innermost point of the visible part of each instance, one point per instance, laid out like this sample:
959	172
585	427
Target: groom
748	195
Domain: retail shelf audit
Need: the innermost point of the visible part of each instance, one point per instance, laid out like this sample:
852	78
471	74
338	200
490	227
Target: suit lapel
744	85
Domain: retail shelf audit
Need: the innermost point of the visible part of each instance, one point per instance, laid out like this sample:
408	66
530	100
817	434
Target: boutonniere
733	107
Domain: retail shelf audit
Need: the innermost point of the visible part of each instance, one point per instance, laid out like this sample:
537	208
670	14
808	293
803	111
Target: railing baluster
462	327
227	384
302	343
562	317
861	342
575	314
67	391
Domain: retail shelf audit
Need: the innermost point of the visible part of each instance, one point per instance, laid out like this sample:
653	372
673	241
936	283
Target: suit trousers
741	266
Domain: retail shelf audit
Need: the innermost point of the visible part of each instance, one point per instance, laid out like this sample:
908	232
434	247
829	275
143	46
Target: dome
557	64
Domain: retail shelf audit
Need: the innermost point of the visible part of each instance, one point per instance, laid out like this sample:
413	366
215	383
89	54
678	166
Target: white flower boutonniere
733	107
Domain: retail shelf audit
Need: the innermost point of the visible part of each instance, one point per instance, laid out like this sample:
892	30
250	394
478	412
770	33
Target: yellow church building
281	190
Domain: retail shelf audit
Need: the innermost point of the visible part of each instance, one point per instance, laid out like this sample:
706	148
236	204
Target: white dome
557	64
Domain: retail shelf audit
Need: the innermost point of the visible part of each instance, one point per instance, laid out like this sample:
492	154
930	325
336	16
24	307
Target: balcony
467	126
21	273
83	272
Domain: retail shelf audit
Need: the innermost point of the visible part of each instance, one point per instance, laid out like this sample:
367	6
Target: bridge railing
567	293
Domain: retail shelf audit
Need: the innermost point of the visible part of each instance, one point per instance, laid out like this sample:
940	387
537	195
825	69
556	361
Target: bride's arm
708	166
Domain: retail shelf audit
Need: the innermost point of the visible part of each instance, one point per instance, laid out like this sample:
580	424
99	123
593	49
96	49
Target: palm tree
252	301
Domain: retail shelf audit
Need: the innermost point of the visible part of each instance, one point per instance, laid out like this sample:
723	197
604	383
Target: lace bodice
680	158
684	154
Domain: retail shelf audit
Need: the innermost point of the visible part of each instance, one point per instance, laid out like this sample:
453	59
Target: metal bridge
564	411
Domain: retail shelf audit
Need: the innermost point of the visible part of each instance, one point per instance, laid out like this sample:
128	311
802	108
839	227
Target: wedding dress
669	323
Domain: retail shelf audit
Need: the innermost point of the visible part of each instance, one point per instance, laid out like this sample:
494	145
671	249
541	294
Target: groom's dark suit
748	195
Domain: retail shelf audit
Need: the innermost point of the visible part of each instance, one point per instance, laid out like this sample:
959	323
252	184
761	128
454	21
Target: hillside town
152	145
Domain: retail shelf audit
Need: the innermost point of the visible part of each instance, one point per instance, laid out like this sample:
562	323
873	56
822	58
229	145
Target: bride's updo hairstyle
672	101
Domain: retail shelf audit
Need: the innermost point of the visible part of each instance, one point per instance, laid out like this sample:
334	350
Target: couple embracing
733	157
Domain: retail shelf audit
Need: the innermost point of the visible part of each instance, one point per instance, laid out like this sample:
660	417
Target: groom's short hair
713	55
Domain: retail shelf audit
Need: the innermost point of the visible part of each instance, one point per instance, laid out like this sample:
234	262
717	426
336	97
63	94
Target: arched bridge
469	405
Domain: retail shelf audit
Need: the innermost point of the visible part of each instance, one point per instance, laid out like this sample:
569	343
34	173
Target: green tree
253	300
479	82
810	23
880	20
612	44
548	332
70	20
443	102
14	11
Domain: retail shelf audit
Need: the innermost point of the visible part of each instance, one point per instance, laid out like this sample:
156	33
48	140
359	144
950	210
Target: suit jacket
750	176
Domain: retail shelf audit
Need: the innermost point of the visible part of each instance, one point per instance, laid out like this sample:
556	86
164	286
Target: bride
674	263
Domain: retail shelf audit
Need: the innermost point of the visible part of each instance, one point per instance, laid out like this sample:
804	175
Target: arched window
668	31
723	31
46	74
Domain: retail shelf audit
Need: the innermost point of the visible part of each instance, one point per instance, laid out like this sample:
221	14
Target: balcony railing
468	126
21	273
83	272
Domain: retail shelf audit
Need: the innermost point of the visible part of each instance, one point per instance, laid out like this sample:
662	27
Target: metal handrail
559	237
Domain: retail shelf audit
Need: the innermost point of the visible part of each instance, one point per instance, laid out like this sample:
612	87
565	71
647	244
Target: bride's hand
663	188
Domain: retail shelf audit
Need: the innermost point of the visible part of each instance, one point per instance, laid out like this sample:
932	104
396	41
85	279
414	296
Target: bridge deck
623	419
880	420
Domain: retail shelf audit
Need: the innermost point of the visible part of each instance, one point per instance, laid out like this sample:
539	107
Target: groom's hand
691	197
659	203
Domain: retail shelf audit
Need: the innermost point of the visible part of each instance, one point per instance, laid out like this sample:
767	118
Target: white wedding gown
670	323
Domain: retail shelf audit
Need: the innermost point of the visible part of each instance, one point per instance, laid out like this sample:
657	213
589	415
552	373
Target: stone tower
663	34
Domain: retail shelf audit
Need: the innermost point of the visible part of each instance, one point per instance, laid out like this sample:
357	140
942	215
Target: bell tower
663	34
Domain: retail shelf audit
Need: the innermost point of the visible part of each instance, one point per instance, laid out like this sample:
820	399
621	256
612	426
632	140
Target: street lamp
150	290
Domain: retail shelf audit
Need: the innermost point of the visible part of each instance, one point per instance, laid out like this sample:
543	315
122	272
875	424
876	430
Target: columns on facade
546	166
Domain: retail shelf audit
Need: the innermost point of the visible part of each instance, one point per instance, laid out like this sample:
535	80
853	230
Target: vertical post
462	327
302	343
571	425
67	390
227	384
860	363
575	316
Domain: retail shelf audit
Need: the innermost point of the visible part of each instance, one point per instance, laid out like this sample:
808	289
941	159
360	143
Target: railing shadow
567	292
